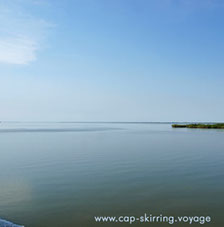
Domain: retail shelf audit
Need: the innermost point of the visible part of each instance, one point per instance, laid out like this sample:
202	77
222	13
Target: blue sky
121	60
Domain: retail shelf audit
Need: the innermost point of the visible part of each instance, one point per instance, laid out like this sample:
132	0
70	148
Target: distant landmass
208	126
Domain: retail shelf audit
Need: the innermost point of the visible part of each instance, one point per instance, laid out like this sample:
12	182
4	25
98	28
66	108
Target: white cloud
21	34
17	50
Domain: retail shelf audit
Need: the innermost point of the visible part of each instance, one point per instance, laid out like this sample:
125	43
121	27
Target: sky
120	60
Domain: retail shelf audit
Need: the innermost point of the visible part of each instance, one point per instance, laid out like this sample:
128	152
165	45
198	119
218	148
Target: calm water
63	174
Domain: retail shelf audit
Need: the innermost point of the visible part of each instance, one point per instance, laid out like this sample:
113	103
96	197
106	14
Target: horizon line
112	122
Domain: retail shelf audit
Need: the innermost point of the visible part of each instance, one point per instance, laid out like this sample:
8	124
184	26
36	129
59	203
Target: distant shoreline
206	126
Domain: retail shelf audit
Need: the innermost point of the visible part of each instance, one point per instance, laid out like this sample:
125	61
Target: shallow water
64	174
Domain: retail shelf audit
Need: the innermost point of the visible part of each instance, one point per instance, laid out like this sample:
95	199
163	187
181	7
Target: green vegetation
210	126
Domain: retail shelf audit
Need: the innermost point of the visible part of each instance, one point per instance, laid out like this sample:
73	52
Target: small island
200	125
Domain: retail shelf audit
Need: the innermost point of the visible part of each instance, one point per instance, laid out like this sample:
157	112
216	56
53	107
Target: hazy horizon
105	121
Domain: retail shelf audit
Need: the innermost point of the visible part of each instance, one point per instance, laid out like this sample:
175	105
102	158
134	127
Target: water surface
63	174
